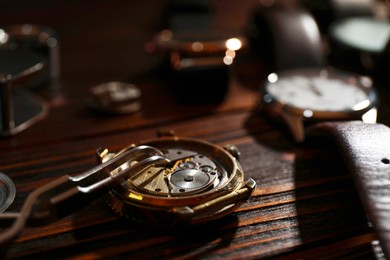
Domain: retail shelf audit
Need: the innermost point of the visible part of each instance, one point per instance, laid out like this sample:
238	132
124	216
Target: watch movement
198	182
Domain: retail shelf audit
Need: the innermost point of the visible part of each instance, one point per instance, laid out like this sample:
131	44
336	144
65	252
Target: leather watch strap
295	36
366	150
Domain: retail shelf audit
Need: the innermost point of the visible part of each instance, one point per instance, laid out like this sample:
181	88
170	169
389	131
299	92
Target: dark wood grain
304	207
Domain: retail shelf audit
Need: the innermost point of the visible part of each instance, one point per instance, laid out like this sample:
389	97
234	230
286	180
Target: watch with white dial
314	94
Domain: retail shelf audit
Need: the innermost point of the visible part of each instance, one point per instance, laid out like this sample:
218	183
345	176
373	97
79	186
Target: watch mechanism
197	182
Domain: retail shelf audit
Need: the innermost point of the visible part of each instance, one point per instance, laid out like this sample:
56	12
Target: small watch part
115	98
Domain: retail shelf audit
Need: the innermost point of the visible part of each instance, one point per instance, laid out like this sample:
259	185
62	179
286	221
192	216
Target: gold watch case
198	182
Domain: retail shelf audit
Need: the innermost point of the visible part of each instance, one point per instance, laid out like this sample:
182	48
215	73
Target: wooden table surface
305	204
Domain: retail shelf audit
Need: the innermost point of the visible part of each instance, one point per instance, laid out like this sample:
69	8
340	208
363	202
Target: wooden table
305	204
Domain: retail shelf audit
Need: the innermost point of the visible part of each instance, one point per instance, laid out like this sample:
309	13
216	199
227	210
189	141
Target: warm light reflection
233	44
197	46
3	36
273	77
135	196
227	60
166	35
230	53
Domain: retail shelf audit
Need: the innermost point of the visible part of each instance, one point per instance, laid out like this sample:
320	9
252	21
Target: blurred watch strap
295	36
366	150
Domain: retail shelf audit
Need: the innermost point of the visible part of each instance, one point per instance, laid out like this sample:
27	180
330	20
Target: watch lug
295	124
233	150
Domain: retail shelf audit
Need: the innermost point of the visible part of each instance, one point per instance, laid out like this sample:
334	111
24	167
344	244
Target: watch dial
318	91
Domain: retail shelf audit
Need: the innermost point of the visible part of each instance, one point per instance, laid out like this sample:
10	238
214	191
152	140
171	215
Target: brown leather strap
295	35
366	150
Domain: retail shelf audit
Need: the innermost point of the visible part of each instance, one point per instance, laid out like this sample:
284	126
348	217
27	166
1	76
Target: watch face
316	90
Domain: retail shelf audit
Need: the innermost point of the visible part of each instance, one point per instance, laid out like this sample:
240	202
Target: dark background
305	205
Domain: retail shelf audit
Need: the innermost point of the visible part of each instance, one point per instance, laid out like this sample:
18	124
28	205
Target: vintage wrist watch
165	182
303	96
332	99
199	182
302	89
198	56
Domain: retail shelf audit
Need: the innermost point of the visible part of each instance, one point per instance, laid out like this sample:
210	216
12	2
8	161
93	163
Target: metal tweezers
68	194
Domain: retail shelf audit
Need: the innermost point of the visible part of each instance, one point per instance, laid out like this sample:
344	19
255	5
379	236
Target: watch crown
251	183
